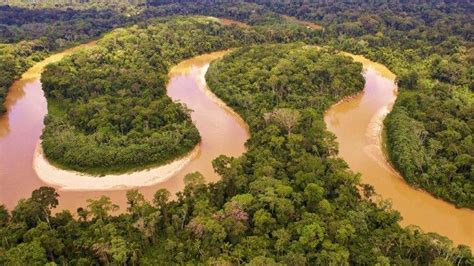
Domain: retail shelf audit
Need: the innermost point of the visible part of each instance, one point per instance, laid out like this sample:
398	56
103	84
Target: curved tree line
14	60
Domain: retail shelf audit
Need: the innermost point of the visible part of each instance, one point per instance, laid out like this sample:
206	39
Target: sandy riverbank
72	180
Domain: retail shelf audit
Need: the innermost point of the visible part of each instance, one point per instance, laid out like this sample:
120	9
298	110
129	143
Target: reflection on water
358	123
25	116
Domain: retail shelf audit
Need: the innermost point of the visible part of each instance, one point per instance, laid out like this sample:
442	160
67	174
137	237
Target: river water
222	132
357	124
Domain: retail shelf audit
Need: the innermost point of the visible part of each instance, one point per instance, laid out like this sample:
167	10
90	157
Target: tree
100	208
311	235
4	216
263	222
83	213
31	253
46	197
409	81
286	118
194	183
313	194
137	205
119	250
49	239
160	200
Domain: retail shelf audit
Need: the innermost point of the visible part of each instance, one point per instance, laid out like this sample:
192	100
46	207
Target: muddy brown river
356	123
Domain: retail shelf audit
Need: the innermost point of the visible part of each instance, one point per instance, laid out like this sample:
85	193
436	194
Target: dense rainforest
428	44
56	28
60	25
256	81
430	141
287	200
128	7
113	112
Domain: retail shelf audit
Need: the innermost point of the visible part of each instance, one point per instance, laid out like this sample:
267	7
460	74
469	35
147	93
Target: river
21	126
356	123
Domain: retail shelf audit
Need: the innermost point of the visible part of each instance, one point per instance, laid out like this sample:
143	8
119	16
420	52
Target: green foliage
286	201
30	253
33	34
247	228
280	77
239	10
56	28
429	136
127	7
119	121
101	208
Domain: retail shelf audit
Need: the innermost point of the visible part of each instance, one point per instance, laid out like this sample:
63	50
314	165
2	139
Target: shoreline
77	181
205	88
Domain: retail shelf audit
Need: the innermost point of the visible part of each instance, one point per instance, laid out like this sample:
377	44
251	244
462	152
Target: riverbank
185	67
72	180
21	127
28	106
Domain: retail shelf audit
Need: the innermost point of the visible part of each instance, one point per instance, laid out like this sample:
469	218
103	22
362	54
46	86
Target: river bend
222	132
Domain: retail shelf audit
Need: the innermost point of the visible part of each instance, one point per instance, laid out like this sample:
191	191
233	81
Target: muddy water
357	123
222	131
